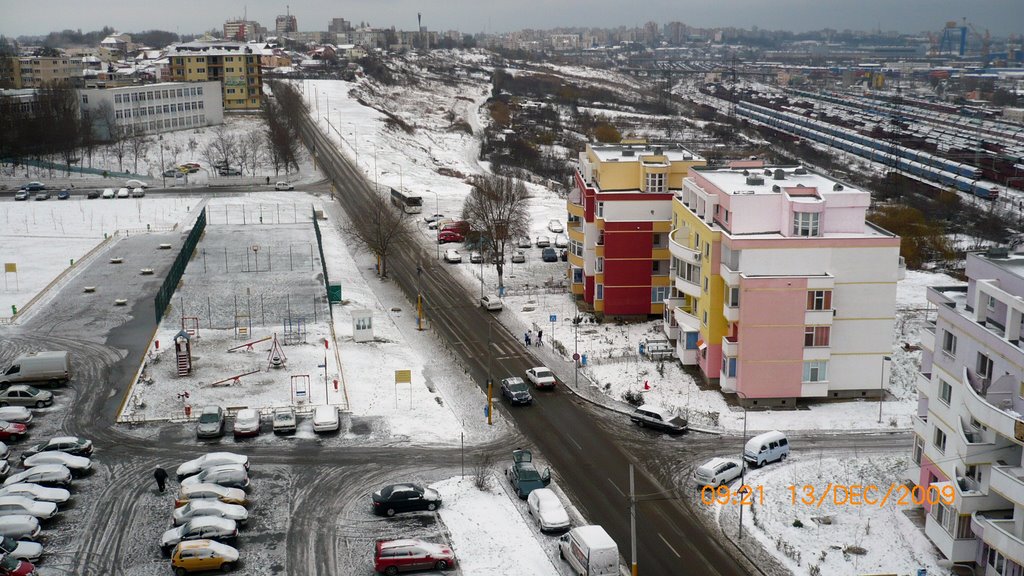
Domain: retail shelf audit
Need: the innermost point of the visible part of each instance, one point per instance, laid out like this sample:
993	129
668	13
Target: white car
202	527
543	242
27	551
136	184
547	510
5	452
284	420
5	468
283	186
124	193
325	419
439	223
209	461
561	240
138	192
491	302
452	256
247	423
555	226
524	242
518	257
717	471
37	492
108	193
211	492
15	505
475	257
16	414
207	507
541	377
229	475
74	463
43	474
19	526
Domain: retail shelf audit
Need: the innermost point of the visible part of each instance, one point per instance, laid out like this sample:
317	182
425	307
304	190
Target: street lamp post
881	387
576	351
163	169
490	382
743	464
437	229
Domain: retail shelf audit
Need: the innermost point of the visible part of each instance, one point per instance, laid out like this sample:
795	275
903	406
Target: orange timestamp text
835	494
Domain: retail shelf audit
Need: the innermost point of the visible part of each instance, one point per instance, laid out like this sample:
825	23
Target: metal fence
163	297
320	247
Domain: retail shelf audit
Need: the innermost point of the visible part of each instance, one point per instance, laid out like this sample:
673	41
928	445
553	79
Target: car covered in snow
475	257
524	476
284	420
210	460
283	186
518	257
108	193
545	507
201	527
21	550
16	414
37	492
210	491
561	240
19	526
14	505
395	498
491	303
717	471
138	192
77	464
229	475
325	419
46	474
207	507
524	242
136	184
124	193
247	423
452	256
555	226
543	242
70	444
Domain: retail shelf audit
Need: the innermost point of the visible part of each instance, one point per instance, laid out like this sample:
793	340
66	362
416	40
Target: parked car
14	505
589	550
523	476
325	419
518	257
439	223
204	507
210	460
37	492
5	451
561	240
139	192
524	242
284	420
171	173
247	423
108	193
541	377
21	195
64	194
229	172
229	475
452	256
10	430
393	556
92	194
549	255
202	556
658	418
20	526
41	195
516	391
124	193
491	302
5	468
46	474
445	236
202	527
25	395
22	550
430	218
17	414
211	422
543	242
555	226
34	186
475	257
283	186
12	566
210	491
70	444
459	226
192	166
136	184
496	258
395	498
77	464
545	507
767	447
717	471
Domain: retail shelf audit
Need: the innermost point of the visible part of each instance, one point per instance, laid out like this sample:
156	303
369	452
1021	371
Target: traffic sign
576	357
553	318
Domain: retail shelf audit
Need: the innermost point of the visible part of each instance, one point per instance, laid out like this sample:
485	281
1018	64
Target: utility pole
576	351
881	387
632	520
490	382
743	464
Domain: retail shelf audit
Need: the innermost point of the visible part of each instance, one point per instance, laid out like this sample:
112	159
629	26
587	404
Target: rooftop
793	180
633	152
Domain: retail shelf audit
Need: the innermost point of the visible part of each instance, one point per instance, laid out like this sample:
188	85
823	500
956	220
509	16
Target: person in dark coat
161	478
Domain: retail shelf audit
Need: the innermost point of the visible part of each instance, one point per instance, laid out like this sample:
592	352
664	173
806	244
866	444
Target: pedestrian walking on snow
161	478
540	337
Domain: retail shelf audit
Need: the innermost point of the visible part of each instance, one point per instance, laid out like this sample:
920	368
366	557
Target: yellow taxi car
202	556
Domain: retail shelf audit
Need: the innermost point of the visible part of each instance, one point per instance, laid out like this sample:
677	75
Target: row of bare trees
47	127
283	114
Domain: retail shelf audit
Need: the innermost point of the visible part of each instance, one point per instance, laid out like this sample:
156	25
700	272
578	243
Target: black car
64	194
68	444
390	500
34	186
516	390
549	255
92	194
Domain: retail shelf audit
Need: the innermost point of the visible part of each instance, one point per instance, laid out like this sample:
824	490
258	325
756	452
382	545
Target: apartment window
816	371
655	182
118	114
199	91
600	237
600	264
984	366
181	92
945	392
805	223
707	250
816	336
85	99
600	292
991	303
734	297
181	107
231	90
706	283
997	561
600	209
728	367
939	439
819	299
704	319
229	69
200	105
696	241
948	343
576	248
659	293
577	275
726	216
918	449
201	70
659	241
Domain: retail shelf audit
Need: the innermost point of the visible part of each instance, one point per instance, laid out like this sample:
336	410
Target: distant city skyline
1000	17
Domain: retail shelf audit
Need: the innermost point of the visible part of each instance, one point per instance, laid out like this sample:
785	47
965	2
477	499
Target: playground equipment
248	345
275	356
243	326
233	380
294	330
300	388
183	353
190	324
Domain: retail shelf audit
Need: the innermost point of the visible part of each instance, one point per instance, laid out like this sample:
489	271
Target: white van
764	448
53	367
590	551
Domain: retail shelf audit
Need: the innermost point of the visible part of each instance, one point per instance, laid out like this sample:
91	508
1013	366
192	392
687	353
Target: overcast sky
1001	17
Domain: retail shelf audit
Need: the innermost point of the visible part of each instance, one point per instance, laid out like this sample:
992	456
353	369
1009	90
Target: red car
10	430
11	566
449	236
406	555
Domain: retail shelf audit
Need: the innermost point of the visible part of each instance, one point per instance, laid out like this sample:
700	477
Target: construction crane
953	37
985	39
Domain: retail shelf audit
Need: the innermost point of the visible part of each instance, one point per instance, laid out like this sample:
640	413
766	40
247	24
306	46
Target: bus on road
409	203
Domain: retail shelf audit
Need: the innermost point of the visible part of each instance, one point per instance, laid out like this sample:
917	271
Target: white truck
590	551
51	367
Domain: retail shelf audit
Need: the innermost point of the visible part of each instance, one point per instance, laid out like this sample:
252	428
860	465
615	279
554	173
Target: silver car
19	526
25	395
209	507
284	421
16	414
37	492
77	464
14	505
209	461
211	422
51	474
201	527
230	475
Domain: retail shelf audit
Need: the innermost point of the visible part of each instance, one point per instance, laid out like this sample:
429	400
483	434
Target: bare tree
118	145
254	141
138	146
497	208
381	230
225	145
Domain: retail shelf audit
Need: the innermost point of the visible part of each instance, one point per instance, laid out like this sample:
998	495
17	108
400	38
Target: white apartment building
153	108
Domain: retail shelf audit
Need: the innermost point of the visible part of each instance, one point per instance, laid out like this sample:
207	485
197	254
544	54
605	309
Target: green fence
163	297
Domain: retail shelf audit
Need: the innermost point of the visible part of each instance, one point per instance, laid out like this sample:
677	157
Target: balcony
575	232
687	287
920	425
575	209
969	498
1008	481
731	313
668	318
983	409
972	447
1003	535
731	277
684	253
730	346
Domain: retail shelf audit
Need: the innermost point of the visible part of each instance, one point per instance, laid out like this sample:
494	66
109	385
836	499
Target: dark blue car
63	194
549	255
